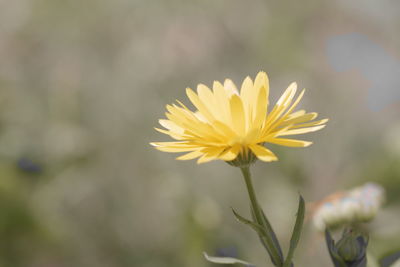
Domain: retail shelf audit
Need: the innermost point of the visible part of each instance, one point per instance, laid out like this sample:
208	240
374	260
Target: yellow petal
300	119
252	136
185	143
309	124
296	102
261	109
224	130
301	130
210	153
296	114
200	117
230	154
237	115
222	98
273	134
179	115
289	142
174	149
263	153
280	107
170	125
208	99
288	95
205	158
280	120
247	87
199	104
176	136
192	124
230	87
246	94
190	155
262	81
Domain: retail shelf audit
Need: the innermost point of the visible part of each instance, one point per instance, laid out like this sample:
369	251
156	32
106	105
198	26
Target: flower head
234	126
358	205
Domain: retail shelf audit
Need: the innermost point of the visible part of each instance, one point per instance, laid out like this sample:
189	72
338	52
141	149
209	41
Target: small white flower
360	204
349	207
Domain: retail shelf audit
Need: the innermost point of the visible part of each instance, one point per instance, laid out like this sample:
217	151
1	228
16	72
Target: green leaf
296	232
267	226
226	260
256	227
266	239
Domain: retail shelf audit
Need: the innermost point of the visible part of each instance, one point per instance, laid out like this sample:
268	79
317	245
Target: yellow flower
233	126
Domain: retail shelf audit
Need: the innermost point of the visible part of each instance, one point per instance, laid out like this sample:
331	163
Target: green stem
252	194
259	215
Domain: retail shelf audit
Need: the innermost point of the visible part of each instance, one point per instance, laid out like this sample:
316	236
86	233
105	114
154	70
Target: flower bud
350	250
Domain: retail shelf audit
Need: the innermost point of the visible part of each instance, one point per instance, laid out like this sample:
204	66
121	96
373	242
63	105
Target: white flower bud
358	205
349	208
329	213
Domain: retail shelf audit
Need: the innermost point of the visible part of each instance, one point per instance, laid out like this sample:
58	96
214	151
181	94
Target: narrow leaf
268	229
296	232
226	260
256	227
271	232
266	239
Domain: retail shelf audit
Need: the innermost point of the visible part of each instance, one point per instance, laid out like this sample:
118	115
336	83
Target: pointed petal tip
201	161
292	88
217	84
163	123
189	91
202	86
261	72
160	130
307	144
226	81
267	159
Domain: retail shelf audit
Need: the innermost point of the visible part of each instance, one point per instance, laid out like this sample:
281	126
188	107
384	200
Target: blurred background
83	83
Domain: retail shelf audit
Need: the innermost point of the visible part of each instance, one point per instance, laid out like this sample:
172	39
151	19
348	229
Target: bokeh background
83	83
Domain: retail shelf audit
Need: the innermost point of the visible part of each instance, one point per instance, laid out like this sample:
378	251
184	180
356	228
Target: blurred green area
83	83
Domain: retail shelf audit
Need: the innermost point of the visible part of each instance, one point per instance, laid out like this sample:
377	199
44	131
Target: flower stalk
264	229
267	236
252	195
